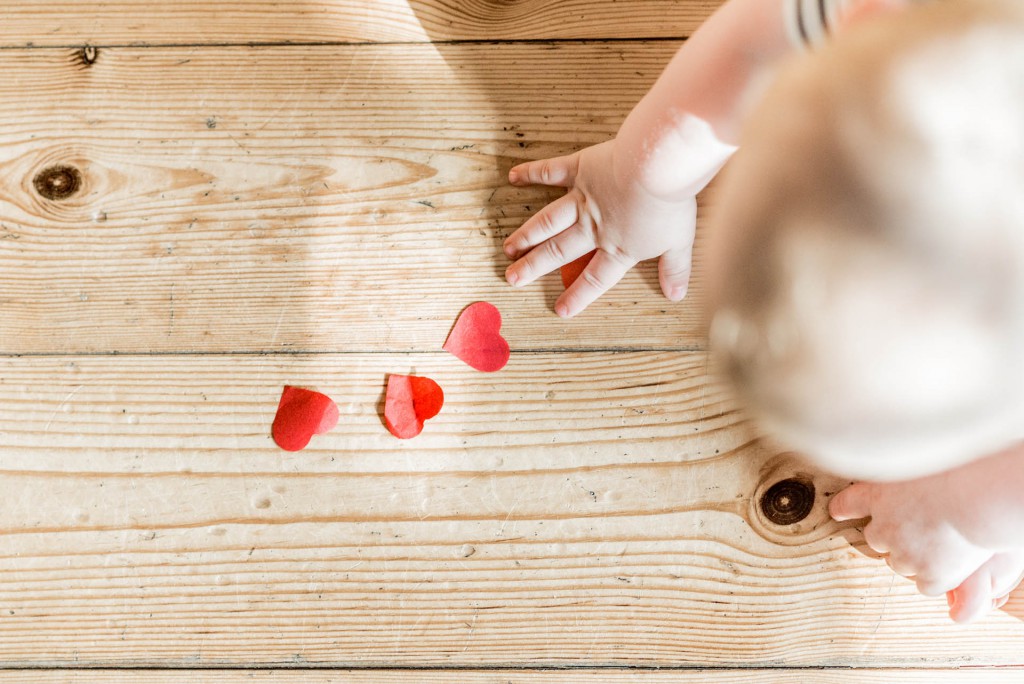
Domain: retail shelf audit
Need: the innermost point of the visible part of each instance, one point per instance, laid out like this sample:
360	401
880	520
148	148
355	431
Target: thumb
853	503
674	271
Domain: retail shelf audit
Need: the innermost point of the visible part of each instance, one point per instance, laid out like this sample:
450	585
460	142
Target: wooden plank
570	510
184	414
745	676
318	198
78	22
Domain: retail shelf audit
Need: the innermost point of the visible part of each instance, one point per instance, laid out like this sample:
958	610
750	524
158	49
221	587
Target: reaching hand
987	588
618	217
937	532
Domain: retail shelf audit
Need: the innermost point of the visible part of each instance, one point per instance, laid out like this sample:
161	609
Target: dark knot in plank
58	182
788	501
88	55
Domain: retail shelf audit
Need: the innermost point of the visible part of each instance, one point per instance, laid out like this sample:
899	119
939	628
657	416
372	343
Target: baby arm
634	197
957	532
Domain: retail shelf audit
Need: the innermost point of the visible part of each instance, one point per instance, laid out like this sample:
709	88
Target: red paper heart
411	401
572	270
302	413
476	339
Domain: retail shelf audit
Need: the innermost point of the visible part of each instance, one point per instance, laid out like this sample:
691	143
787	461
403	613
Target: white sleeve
809	22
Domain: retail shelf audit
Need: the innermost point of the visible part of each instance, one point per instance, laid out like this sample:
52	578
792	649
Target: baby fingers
951	568
1007	570
549	255
874	538
987	588
603	271
559	171
852	503
556	217
900	566
674	272
973	598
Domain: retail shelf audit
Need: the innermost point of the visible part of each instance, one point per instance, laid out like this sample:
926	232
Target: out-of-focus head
866	257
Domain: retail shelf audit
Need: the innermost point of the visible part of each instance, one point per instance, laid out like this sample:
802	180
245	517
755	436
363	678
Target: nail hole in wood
788	501
58	182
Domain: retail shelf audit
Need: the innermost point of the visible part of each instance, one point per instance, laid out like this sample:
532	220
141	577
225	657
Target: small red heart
572	270
302	413
476	339
411	401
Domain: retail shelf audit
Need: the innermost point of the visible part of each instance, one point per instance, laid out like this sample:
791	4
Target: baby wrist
673	159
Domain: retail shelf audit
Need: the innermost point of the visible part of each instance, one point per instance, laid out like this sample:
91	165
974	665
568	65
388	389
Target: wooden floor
250	194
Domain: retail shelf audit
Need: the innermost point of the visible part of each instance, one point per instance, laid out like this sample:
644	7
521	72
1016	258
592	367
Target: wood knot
88	55
58	182
788	501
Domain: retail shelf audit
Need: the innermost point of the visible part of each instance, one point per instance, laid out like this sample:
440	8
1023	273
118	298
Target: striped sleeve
809	22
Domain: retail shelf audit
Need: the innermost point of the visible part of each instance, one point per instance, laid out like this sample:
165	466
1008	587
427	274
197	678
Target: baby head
866	257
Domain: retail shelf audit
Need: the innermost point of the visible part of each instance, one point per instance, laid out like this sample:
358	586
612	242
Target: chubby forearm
682	132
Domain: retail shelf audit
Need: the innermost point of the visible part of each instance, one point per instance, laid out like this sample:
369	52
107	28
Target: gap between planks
347	43
511	675
686	349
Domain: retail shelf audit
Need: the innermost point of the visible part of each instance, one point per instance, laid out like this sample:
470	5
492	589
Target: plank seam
291	666
350	43
349	352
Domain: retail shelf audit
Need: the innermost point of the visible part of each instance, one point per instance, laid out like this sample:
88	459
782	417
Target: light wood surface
133	22
249	216
315	198
149	520
746	676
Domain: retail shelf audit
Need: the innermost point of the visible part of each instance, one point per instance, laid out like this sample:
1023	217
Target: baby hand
988	588
927	528
615	215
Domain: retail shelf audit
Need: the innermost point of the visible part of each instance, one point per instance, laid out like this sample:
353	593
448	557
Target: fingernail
677	293
561	310
512	278
513	176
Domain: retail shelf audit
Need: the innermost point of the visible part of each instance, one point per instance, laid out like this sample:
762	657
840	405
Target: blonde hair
866	263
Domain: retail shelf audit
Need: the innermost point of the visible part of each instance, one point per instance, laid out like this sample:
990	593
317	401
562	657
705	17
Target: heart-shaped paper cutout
411	400
302	413
572	270
476	338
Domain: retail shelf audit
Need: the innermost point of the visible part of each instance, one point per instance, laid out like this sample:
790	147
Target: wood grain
149	521
179	222
339	198
135	22
744	676
153	414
